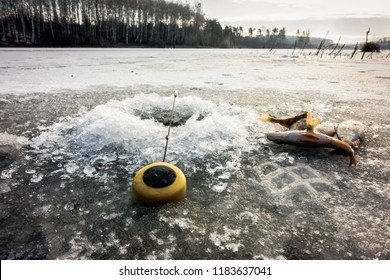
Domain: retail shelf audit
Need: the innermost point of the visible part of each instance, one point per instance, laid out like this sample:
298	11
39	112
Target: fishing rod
170	125
160	182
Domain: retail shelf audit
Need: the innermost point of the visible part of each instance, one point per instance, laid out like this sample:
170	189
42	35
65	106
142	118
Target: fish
327	128
298	122
287	121
351	132
309	138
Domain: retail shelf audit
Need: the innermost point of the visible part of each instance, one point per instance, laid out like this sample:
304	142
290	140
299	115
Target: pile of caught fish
304	131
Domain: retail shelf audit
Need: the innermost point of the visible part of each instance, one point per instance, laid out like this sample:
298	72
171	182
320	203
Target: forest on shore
131	23
155	23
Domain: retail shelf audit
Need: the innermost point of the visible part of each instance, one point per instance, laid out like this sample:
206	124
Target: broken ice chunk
36	178
89	170
71	167
220	187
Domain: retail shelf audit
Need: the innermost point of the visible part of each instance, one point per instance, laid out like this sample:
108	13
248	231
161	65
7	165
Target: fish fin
311	123
355	144
265	118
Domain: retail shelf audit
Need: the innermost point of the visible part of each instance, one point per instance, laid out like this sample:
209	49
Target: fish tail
345	149
352	160
311	123
265	118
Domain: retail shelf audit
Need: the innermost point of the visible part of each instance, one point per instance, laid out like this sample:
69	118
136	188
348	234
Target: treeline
121	22
99	22
384	43
253	38
124	23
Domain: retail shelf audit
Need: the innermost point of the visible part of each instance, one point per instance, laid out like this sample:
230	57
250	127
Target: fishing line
160	182
170	125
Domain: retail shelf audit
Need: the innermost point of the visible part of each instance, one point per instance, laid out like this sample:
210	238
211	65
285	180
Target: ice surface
237	69
67	195
224	240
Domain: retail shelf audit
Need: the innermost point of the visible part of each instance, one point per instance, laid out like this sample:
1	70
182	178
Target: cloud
244	8
293	9
340	17
351	29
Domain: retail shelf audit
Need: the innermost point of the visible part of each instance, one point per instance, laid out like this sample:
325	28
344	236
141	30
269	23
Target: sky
345	18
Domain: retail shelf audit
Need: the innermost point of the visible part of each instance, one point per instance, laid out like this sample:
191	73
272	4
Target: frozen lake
78	124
